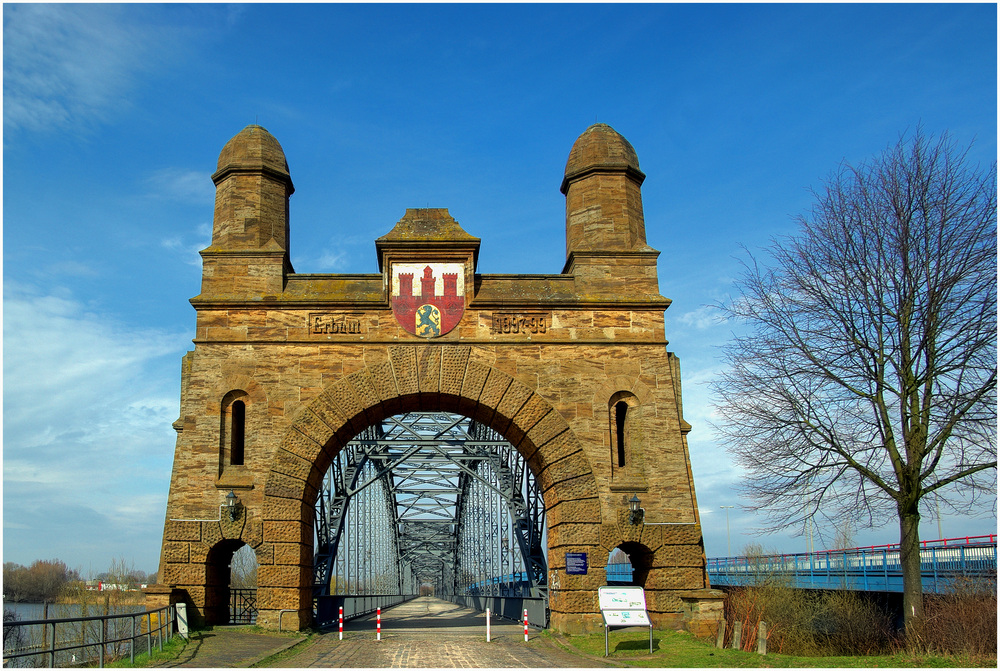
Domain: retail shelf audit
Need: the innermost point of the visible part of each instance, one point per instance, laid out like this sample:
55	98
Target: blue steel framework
875	569
430	499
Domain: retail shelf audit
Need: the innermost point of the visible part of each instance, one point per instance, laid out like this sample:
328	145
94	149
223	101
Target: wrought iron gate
242	606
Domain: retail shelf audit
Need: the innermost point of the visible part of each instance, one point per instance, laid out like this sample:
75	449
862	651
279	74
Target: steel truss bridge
430	501
875	569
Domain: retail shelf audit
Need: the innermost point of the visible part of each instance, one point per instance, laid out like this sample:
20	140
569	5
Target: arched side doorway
444	378
668	562
230	583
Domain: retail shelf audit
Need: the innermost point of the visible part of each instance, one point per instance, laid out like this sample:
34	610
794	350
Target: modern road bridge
874	569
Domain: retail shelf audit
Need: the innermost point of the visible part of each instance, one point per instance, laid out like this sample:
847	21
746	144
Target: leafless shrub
964	620
849	623
770	598
805	622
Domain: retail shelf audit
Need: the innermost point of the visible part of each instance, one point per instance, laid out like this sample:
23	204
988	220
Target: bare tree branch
866	374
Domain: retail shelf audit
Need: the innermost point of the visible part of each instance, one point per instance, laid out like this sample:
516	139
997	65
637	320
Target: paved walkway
431	633
423	633
225	647
443	651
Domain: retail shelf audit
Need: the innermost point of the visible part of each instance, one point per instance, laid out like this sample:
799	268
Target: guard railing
874	568
73	641
328	607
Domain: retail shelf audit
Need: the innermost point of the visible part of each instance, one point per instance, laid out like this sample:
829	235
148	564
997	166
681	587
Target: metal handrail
854	557
865	567
166	619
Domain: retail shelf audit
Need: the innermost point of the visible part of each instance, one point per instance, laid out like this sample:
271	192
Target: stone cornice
636	176
657	304
274	253
258	169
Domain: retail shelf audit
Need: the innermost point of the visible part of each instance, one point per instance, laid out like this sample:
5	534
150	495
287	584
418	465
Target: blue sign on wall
576	563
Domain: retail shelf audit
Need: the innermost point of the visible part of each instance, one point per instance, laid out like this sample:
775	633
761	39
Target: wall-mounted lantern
635	512
232	505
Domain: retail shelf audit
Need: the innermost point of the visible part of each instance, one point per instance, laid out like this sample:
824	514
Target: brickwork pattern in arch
418	378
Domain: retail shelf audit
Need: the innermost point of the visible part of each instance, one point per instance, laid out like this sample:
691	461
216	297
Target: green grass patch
673	649
172	649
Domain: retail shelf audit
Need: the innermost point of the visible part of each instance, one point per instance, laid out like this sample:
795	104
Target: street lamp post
729	550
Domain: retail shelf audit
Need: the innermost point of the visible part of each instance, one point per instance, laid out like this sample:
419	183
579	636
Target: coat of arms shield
438	305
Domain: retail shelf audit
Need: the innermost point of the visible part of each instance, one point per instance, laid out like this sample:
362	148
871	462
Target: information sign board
623	607
621	598
576	563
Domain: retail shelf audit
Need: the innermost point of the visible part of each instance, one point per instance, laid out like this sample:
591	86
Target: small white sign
623	607
626	618
621	598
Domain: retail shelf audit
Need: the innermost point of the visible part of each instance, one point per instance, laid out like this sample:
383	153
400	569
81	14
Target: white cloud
335	258
88	405
189	248
331	261
64	64
701	318
72	269
191	186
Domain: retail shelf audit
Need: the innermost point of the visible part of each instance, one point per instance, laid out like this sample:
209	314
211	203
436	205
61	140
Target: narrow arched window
624	434
237	433
233	430
621	410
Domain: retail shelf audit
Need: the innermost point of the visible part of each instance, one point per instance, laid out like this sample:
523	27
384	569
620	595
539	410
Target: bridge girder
428	467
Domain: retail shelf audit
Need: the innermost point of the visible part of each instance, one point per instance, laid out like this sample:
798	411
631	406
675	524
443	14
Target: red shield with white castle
428	299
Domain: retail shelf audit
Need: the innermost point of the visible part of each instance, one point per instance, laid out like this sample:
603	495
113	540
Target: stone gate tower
570	368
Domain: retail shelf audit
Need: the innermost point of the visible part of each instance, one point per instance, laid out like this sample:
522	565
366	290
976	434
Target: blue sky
114	116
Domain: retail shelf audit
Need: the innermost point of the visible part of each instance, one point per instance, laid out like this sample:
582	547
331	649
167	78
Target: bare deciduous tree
866	377
243	569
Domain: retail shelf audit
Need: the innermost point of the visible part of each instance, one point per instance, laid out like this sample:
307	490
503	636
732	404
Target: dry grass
964	620
808	623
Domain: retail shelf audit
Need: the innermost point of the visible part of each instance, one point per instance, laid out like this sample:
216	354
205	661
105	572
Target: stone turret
249	251
604	218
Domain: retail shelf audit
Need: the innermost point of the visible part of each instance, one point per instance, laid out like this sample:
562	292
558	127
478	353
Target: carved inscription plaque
507	323
325	323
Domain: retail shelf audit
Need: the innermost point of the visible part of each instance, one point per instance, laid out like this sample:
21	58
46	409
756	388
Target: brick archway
445	378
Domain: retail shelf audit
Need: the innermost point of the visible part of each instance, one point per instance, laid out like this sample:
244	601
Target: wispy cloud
190	244
335	258
87	416
331	260
702	318
71	268
69	65
190	186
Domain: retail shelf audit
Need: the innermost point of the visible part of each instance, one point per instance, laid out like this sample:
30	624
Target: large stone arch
427	377
544	359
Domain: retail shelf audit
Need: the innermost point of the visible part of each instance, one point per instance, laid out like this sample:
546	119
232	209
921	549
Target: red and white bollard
340	622
525	625
487	625
378	624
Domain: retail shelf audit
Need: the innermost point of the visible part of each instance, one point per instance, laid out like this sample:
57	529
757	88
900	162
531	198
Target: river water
26	637
34	611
